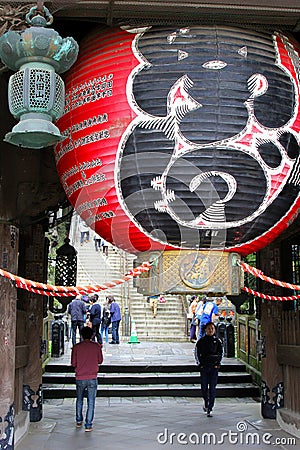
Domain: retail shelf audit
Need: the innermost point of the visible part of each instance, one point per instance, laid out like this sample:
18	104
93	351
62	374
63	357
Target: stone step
150	380
160	314
229	365
239	391
172	311
152	338
233	391
160	333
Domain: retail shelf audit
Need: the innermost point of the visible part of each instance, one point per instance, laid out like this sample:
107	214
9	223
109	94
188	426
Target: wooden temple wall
288	354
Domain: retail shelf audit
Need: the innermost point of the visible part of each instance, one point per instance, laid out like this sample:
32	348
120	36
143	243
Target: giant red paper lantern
183	138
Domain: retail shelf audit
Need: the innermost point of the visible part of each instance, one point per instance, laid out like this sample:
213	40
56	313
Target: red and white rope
69	291
259	274
270	297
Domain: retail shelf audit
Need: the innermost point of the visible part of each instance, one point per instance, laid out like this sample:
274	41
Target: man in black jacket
95	318
208	354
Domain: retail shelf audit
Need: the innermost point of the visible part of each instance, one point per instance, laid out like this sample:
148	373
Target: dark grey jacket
77	310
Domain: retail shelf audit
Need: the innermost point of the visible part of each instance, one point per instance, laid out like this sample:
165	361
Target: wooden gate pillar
32	250
271	375
8	301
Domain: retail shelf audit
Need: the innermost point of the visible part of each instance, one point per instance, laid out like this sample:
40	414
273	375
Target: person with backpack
209	314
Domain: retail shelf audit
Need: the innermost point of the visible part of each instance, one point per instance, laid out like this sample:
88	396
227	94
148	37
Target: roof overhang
259	12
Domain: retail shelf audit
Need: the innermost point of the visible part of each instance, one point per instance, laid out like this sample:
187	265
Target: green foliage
248	307
56	238
250	280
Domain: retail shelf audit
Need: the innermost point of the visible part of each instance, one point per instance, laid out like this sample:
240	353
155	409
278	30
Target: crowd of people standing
87	311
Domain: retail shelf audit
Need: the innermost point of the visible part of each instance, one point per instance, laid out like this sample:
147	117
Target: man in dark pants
208	354
95	317
77	311
115	315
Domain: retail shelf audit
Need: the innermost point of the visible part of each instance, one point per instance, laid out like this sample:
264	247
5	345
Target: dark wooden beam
288	355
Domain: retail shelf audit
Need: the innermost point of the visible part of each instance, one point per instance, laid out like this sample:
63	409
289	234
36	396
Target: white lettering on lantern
95	178
90	91
90	164
93	137
104	215
100	201
90	122
69	173
63	150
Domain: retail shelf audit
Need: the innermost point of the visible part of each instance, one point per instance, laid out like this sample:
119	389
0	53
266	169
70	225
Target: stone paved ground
147	423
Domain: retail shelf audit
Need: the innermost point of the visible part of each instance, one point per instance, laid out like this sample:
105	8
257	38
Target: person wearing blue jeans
105	322
208	354
115	317
85	358
90	386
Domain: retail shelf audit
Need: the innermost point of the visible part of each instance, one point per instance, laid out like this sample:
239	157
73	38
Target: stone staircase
96	268
144	380
169	324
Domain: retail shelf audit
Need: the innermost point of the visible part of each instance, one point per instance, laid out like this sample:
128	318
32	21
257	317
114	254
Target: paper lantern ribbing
184	138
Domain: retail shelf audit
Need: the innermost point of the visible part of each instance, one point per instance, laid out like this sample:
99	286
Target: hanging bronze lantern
65	273
36	92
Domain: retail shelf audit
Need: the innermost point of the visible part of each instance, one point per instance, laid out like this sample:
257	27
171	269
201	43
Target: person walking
85	358
77	311
115	317
194	320
95	317
198	314
208	354
97	242
84	232
104	247
153	300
